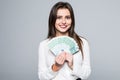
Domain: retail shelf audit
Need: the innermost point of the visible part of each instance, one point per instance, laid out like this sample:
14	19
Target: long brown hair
52	20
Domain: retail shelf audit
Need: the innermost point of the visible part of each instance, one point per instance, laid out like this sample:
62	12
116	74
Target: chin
63	31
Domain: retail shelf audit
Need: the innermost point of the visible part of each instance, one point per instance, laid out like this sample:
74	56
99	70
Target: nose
63	21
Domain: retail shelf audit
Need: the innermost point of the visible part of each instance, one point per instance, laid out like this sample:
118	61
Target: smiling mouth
63	26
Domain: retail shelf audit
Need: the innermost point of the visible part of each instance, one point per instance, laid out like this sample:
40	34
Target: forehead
63	11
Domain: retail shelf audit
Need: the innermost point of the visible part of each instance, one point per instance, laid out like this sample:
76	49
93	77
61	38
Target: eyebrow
61	15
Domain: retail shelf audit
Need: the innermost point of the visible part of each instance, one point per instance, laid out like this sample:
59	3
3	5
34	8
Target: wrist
71	67
55	67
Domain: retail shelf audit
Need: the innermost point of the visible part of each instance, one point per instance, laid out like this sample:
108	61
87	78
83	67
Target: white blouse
81	67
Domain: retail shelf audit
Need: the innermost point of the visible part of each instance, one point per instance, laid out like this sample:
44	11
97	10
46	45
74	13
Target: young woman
65	66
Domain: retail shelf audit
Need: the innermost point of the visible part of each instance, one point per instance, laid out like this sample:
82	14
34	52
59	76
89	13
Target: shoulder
84	40
85	46
44	42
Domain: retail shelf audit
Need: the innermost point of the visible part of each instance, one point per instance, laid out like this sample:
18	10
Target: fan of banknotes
63	43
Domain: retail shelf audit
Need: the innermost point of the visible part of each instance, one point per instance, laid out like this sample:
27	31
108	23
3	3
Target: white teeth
62	26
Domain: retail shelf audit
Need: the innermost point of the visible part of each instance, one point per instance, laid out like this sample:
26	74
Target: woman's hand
59	61
69	59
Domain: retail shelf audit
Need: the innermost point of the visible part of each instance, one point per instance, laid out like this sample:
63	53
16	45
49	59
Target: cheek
69	21
57	22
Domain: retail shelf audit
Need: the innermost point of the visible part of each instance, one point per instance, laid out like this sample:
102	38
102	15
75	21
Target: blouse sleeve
82	69
44	72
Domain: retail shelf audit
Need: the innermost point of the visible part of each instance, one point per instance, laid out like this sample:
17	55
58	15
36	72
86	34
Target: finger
60	59
69	57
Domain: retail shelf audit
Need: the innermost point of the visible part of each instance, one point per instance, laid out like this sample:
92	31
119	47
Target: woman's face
63	21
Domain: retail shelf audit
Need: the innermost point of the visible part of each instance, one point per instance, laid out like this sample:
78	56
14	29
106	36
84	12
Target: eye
68	17
59	17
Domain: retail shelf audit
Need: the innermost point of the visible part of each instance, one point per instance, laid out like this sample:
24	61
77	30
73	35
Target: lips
63	26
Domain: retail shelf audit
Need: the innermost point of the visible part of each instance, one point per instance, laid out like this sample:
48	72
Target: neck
61	34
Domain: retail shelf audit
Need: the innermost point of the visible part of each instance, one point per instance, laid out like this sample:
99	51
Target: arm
82	69
44	72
